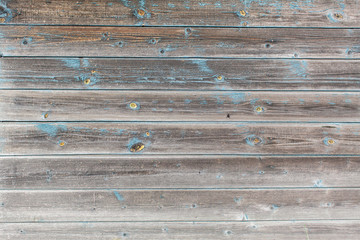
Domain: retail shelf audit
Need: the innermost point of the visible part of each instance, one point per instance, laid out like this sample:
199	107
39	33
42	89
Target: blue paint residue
275	207
51	130
6	12
299	68
318	183
236	98
118	196
237	199
254	100
72	63
202	65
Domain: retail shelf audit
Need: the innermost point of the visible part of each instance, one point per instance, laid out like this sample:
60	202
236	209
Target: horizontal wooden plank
179	138
191	74
298	230
177	106
179	205
177	12
179	42
91	172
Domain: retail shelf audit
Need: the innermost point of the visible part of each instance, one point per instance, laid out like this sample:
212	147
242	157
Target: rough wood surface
179	138
91	172
298	230
177	106
186	74
297	13
179	42
179	205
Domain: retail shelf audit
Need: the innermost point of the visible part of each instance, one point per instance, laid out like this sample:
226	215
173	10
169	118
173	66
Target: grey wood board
298	230
177	74
177	12
72	105
179	205
129	172
178	138
91	41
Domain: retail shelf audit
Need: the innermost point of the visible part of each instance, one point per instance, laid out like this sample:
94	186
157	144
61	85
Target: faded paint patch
202	65
50	129
118	196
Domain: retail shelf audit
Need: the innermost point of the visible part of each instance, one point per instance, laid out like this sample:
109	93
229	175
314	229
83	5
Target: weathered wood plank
91	172
179	138
179	42
298	230
177	106
191	74
177	12
179	205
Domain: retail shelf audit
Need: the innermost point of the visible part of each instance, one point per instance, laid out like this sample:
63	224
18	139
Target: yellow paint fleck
256	141
87	81
242	13
244	23
338	15
220	77
93	71
259	109
147	134
2	20
133	105
141	12
62	143
46	115
331	141
137	147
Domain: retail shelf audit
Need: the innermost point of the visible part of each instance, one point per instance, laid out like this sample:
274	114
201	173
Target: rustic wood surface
178	138
128	172
260	43
179	205
179	74
178	106
145	119
297	13
298	230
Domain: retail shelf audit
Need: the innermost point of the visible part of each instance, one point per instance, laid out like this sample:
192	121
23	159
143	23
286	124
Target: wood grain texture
91	172
298	230
180	205
179	42
179	138
188	74
177	106
297	13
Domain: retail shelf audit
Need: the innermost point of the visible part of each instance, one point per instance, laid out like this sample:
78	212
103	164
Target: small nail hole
267	45
162	51
228	115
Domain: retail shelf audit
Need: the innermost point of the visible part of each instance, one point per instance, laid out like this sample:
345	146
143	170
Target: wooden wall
172	119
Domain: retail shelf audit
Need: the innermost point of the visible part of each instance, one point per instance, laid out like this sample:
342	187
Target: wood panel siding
196	119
